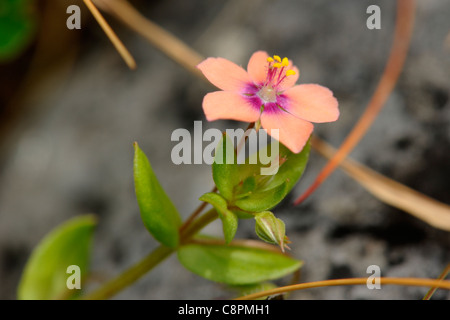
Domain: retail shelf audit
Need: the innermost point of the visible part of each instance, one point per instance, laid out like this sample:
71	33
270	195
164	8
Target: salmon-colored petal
291	80
257	66
224	74
293	132
228	105
312	102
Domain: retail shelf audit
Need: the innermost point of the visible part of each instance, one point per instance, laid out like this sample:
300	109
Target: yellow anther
290	73
269	59
285	62
277	65
277	58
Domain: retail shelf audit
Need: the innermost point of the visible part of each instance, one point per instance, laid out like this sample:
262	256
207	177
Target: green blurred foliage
18	21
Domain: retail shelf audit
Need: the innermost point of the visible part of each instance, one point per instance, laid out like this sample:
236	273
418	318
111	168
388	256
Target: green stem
149	262
131	275
198	224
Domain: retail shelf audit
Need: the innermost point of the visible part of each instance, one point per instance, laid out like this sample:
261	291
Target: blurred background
70	110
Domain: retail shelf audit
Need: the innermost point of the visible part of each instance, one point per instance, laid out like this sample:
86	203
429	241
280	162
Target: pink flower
266	92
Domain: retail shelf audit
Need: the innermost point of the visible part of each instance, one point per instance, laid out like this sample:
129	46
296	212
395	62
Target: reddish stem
394	66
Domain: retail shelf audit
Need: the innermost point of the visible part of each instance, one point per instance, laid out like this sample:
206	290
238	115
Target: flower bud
271	229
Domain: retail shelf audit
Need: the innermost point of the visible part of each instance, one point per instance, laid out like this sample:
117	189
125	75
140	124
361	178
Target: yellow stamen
285	62
269	59
290	73
277	58
277	65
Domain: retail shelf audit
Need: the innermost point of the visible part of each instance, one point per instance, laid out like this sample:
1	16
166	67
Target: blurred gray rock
74	153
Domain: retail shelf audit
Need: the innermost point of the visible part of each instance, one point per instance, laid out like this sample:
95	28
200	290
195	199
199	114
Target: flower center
268	94
276	73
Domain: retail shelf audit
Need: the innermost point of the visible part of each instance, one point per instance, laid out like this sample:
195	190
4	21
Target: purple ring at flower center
273	102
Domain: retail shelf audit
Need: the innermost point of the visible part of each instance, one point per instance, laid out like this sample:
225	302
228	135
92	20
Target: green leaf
158	213
291	168
262	200
229	219
225	168
256	192
45	275
17	27
247	186
235	265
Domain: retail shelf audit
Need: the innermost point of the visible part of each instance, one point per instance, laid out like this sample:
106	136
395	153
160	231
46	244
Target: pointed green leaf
158	213
46	273
229	219
235	265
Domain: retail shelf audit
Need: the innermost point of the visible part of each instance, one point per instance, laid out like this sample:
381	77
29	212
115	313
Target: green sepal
271	229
